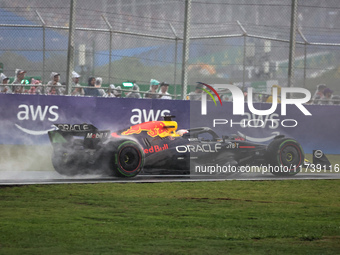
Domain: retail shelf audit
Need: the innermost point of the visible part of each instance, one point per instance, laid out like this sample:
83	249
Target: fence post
244	52
185	57
70	50
175	59
244	61
110	48
44	46
292	43
305	65
305	57
175	72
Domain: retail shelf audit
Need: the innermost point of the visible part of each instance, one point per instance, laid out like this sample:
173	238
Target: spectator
264	98
223	94
336	99
118	92
134	93
19	78
164	91
54	87
35	89
327	98
99	82
318	95
270	98
75	83
152	92
110	91
245	95
225	98
90	91
4	82
197	94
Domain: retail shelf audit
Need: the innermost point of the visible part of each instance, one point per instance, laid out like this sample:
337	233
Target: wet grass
227	217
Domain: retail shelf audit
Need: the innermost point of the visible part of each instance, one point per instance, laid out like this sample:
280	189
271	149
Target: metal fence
240	42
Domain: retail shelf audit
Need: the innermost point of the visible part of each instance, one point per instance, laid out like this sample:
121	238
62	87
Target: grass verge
234	217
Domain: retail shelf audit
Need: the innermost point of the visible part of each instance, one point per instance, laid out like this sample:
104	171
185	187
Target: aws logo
37	113
145	115
204	98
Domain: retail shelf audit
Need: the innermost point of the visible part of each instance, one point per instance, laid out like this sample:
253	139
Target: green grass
234	217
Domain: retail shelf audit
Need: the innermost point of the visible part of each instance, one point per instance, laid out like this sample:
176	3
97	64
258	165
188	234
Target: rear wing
66	132
75	129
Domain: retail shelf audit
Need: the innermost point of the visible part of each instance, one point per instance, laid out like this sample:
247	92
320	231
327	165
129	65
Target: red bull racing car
158	146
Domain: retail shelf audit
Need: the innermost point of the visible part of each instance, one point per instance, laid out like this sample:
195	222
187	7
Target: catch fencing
240	43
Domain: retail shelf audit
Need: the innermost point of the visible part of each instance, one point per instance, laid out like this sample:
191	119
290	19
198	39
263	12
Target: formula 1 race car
158	145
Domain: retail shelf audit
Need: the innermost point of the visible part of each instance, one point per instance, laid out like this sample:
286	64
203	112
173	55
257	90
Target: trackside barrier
25	119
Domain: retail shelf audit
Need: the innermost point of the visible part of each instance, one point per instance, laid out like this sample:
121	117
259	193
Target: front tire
285	157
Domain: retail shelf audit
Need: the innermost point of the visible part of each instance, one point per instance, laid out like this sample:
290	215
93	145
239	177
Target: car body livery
157	146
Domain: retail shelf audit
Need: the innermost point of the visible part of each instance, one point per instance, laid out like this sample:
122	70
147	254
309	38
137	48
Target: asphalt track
9	178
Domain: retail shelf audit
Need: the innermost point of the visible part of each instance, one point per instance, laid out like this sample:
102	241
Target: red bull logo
156	148
153	128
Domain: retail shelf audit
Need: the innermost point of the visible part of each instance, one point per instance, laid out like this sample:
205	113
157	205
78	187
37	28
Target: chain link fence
231	42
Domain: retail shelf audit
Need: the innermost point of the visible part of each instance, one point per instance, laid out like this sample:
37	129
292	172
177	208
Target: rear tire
64	162
285	157
127	158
